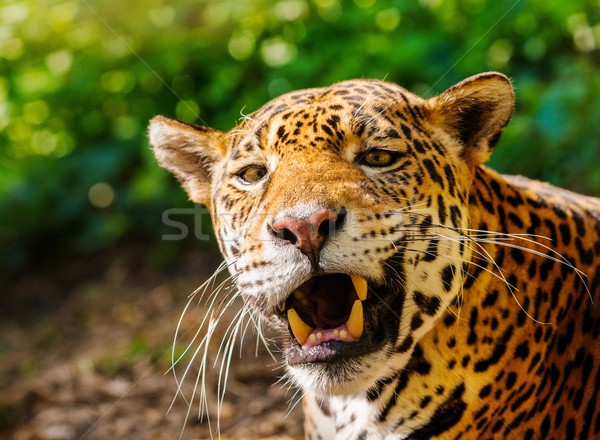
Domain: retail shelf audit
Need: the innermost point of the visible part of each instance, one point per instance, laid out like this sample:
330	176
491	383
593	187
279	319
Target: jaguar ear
475	111
189	152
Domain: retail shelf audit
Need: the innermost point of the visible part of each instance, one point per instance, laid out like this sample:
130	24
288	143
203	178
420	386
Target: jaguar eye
378	158
252	174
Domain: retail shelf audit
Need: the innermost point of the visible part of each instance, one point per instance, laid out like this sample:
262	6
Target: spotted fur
489	284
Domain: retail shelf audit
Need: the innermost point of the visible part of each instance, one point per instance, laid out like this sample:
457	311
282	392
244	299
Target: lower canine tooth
355	323
360	285
300	329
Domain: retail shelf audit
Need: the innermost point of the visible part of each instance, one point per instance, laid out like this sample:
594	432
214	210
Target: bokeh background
82	199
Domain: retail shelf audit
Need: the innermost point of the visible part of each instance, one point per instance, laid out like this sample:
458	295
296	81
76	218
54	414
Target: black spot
511	378
418	146
556	289
455	216
425	401
445	416
565	232
558	418
522	350
516	220
416	321
465	360
580	224
565	339
428	304
545	427
523	398
407	132
485	391
497	190
498	352
433	173
586	255
472	337
418	363
449	319
570	429
280	132
448	277
441	209
517	255
327	129
432	251
531	271
391	133
451	181
490	299
406	344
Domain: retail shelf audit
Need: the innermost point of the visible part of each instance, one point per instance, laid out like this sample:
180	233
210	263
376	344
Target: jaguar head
342	213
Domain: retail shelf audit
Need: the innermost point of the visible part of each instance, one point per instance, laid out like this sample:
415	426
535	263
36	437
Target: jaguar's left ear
475	111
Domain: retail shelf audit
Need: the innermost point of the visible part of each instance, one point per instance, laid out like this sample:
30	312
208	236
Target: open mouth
328	317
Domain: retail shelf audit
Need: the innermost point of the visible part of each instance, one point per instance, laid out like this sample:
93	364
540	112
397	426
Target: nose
309	234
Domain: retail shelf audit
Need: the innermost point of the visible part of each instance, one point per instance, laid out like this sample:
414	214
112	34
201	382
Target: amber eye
378	158
252	174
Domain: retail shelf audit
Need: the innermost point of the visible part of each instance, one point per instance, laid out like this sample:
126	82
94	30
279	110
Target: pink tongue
339	333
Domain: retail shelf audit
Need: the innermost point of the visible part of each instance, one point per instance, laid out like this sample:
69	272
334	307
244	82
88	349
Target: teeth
360	285
355	321
282	307
300	329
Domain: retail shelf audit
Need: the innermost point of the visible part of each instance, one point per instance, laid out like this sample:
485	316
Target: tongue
325	301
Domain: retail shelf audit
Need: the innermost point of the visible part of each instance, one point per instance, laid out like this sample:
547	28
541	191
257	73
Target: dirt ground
85	354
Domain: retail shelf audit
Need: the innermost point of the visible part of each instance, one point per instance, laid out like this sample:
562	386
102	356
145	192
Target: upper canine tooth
355	323
300	329
360	285
282	307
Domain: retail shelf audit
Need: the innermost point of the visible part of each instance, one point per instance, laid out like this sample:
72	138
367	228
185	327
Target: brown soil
88	357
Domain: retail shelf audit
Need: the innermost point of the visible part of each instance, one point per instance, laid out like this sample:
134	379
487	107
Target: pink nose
309	234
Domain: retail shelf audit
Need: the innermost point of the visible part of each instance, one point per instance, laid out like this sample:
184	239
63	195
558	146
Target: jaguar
415	292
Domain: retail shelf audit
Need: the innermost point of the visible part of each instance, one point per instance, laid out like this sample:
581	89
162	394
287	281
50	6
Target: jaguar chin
415	292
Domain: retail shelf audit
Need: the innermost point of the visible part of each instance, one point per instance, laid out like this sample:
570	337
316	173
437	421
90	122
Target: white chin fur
349	377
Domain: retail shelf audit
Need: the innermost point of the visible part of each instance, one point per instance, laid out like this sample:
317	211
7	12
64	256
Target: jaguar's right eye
378	158
252	174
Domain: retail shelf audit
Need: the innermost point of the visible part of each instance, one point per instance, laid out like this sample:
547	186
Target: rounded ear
474	112
189	152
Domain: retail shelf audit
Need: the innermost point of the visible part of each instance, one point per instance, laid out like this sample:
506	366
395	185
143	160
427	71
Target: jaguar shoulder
417	294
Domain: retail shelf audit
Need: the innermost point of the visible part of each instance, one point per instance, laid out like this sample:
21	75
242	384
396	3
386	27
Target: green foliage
81	82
